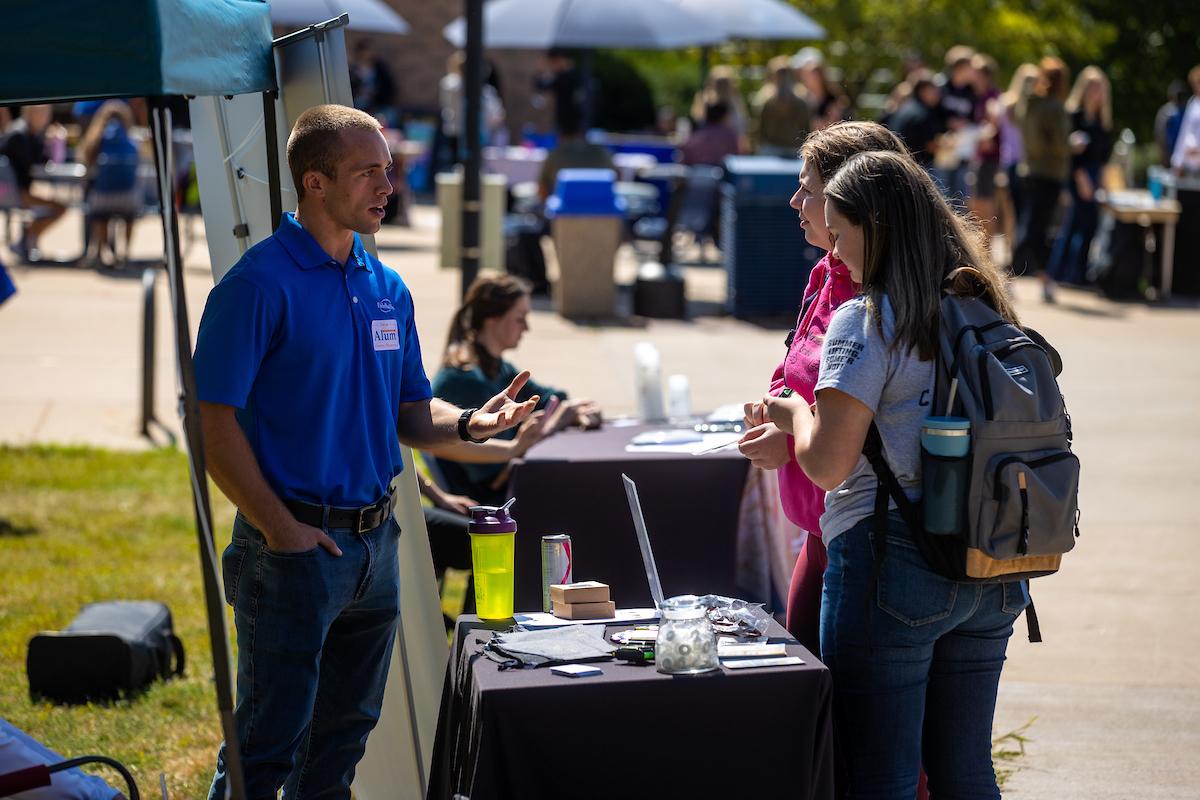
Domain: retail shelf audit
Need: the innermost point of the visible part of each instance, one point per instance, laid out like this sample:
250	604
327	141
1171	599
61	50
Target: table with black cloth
571	483
632	731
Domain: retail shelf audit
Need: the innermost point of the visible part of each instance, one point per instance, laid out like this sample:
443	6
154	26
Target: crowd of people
311	571
108	139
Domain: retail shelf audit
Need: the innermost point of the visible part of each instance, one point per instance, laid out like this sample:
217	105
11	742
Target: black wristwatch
464	432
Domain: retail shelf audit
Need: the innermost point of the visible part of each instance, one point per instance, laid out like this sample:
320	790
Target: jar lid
684	606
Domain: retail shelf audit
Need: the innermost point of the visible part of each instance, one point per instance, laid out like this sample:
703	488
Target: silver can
556	564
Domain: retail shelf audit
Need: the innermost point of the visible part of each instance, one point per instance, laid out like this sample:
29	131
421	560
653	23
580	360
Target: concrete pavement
1115	688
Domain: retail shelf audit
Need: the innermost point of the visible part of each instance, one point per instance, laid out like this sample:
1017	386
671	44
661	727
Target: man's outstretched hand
502	411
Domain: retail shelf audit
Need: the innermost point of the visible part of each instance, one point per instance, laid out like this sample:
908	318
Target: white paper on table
542	619
707	440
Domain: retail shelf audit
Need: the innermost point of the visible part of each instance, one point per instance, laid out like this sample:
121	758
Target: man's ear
314	183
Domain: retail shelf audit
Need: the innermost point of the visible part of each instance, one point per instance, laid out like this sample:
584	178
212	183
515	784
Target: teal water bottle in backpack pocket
945	473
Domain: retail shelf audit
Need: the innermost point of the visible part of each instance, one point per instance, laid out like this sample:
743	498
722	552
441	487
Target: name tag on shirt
385	334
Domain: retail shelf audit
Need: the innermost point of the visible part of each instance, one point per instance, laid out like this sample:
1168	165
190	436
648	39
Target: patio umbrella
542	24
365	15
756	19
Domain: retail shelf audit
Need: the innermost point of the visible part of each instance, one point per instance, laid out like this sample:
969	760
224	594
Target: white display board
231	168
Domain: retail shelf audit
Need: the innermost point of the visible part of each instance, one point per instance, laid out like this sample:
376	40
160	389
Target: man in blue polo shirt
309	376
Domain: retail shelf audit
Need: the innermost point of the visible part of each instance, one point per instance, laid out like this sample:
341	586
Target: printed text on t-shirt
841	352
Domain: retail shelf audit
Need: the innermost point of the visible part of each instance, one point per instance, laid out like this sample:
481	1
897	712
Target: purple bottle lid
492	519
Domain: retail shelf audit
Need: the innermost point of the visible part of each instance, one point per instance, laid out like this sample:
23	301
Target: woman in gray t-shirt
915	657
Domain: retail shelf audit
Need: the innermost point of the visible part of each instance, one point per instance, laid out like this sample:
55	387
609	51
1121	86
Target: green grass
79	525
1007	750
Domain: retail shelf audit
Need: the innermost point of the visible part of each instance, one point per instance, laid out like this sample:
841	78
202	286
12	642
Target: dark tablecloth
571	483
631	732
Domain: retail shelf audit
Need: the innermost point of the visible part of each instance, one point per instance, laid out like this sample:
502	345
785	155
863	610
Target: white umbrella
365	15
756	19
542	24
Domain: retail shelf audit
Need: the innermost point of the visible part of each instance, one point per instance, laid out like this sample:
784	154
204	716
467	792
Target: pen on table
715	448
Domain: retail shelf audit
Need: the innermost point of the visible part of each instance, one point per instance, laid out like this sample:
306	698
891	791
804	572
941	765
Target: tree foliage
1141	44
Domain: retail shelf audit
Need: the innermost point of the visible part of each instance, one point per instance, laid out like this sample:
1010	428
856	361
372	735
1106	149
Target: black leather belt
359	520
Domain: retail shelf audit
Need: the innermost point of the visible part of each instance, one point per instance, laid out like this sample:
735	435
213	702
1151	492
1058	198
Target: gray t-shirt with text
892	382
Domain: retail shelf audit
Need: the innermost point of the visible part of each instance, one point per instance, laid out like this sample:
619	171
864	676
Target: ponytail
488	297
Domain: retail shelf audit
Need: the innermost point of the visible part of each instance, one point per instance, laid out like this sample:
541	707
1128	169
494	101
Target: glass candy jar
686	643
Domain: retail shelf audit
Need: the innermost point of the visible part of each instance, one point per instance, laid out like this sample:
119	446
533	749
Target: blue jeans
314	635
915	668
1069	259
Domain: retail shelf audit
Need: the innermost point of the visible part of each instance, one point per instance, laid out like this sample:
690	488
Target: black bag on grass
110	650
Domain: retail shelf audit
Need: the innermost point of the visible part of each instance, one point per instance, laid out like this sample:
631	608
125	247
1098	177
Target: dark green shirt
471	388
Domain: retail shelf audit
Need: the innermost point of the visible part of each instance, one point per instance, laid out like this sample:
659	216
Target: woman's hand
783	410
754	414
460	504
766	446
1083	185
533	431
584	413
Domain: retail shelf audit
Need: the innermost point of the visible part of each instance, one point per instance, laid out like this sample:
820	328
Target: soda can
556	564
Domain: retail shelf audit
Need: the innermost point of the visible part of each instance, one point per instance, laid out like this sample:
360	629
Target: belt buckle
360	526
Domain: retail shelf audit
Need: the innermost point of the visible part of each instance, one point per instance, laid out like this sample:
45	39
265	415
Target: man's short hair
315	144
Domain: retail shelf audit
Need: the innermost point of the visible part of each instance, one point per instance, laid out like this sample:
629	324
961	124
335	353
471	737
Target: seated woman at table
829	285
492	320
915	683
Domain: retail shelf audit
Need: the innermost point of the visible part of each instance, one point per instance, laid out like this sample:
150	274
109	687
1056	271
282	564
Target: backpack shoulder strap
889	484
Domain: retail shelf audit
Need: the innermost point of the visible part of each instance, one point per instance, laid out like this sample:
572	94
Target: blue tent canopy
58	50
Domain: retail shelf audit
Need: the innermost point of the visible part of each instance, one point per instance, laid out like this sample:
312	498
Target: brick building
418	62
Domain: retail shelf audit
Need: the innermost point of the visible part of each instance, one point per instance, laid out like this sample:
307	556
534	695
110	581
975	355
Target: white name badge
385	334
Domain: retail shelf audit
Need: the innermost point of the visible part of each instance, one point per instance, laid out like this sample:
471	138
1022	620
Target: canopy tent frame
195	47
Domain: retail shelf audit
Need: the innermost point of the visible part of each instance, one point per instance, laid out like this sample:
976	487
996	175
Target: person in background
829	285
1169	119
111	157
915	658
452	102
574	151
958	109
1045	129
372	85
721	87
492	320
1185	159
712	141
1091	140
559	77
25	148
826	99
918	122
781	112
986	163
1011	104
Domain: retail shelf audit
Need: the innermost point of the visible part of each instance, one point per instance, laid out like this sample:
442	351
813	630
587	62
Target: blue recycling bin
767	260
586	218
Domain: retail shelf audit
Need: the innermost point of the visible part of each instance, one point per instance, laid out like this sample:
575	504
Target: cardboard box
579	592
602	610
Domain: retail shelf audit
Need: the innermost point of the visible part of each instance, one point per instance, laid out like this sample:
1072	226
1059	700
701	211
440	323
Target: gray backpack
1020	511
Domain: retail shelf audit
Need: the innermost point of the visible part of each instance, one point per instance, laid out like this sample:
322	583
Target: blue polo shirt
316	357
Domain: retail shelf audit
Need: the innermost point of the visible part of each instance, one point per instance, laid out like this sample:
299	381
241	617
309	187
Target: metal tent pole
473	90
190	412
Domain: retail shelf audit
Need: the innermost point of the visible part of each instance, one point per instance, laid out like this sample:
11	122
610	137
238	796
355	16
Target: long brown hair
489	296
829	147
1053	79
913	245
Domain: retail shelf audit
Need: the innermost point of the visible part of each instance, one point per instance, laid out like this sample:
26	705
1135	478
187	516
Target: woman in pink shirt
829	285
